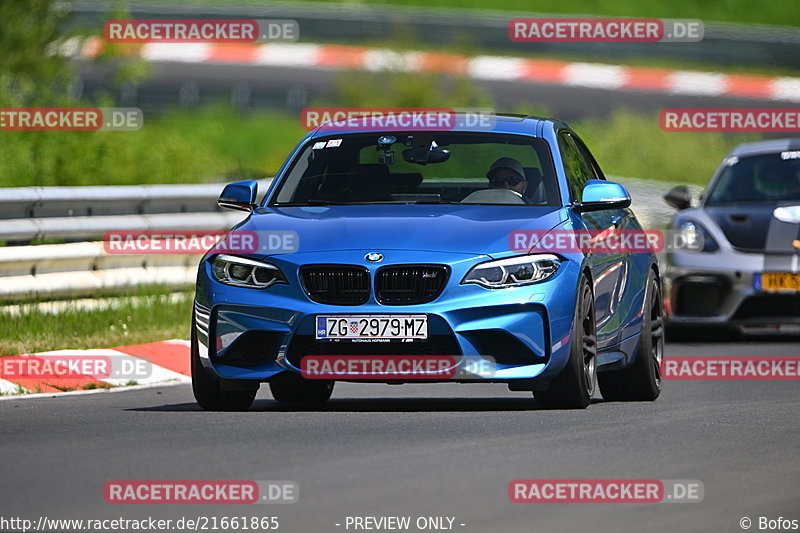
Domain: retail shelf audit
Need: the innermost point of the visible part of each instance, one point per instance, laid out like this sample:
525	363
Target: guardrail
33	202
47	271
29	214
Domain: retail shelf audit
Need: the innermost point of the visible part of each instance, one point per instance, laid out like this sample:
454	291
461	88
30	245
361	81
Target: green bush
633	145
179	147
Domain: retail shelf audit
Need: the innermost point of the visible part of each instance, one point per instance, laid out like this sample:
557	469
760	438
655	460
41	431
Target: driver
507	173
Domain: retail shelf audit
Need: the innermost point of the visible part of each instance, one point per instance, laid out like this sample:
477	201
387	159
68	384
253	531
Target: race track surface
420	450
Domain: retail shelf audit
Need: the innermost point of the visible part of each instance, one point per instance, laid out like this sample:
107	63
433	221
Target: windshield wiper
313	202
310	202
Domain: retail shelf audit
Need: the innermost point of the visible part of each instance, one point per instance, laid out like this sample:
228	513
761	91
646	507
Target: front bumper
518	333
719	289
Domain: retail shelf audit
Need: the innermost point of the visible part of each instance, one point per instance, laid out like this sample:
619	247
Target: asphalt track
421	450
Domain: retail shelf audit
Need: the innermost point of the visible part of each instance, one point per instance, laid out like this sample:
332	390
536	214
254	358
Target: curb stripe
544	71
161	362
342	57
649	79
7	387
167	355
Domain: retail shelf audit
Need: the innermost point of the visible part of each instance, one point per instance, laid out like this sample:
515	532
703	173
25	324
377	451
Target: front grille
700	297
769	306
410	284
303	345
336	284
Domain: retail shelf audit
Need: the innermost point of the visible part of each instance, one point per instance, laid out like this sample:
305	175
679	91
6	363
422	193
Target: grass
625	144
633	145
779	12
179	147
148	316
217	143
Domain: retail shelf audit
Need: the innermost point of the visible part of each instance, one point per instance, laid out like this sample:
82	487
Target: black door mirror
679	197
240	195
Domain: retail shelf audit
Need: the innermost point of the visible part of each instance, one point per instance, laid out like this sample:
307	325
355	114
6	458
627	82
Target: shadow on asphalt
379	405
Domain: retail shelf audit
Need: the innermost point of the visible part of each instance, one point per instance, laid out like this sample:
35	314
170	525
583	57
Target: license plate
372	327
778	281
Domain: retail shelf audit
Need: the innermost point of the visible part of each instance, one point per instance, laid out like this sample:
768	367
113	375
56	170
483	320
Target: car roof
502	123
765	147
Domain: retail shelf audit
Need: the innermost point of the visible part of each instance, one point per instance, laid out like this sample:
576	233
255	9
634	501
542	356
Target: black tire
207	390
573	388
299	390
641	381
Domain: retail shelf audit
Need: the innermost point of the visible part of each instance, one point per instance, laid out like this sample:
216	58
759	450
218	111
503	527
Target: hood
441	228
755	228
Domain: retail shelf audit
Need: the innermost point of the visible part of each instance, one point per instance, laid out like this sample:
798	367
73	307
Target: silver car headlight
696	238
514	271
243	272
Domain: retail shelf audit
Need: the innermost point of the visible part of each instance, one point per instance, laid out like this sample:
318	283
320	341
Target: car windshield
417	168
761	178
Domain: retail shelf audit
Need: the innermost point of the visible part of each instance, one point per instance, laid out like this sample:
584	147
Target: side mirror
599	195
240	195
679	197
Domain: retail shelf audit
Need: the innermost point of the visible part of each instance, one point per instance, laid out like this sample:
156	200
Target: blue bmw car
401	244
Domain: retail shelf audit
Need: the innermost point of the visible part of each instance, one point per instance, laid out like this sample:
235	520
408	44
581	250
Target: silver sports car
746	271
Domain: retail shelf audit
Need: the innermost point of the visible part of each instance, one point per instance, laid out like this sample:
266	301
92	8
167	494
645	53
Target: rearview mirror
423	156
679	197
240	195
599	195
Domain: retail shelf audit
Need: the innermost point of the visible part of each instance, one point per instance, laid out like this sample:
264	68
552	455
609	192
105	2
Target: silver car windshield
760	178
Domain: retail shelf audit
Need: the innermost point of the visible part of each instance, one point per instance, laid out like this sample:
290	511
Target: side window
576	167
588	157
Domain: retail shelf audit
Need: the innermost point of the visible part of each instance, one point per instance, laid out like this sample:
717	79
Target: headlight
514	271
695	238
243	272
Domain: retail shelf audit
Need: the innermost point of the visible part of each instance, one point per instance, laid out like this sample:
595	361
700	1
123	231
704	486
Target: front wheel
573	388
642	380
207	391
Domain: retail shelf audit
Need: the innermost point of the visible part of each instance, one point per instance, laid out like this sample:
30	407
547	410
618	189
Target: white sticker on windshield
334	143
318	146
794	154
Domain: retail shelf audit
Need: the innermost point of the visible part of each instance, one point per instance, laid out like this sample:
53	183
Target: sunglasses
511	180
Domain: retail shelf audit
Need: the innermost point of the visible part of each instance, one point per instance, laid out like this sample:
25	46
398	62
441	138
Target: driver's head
776	180
507	173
